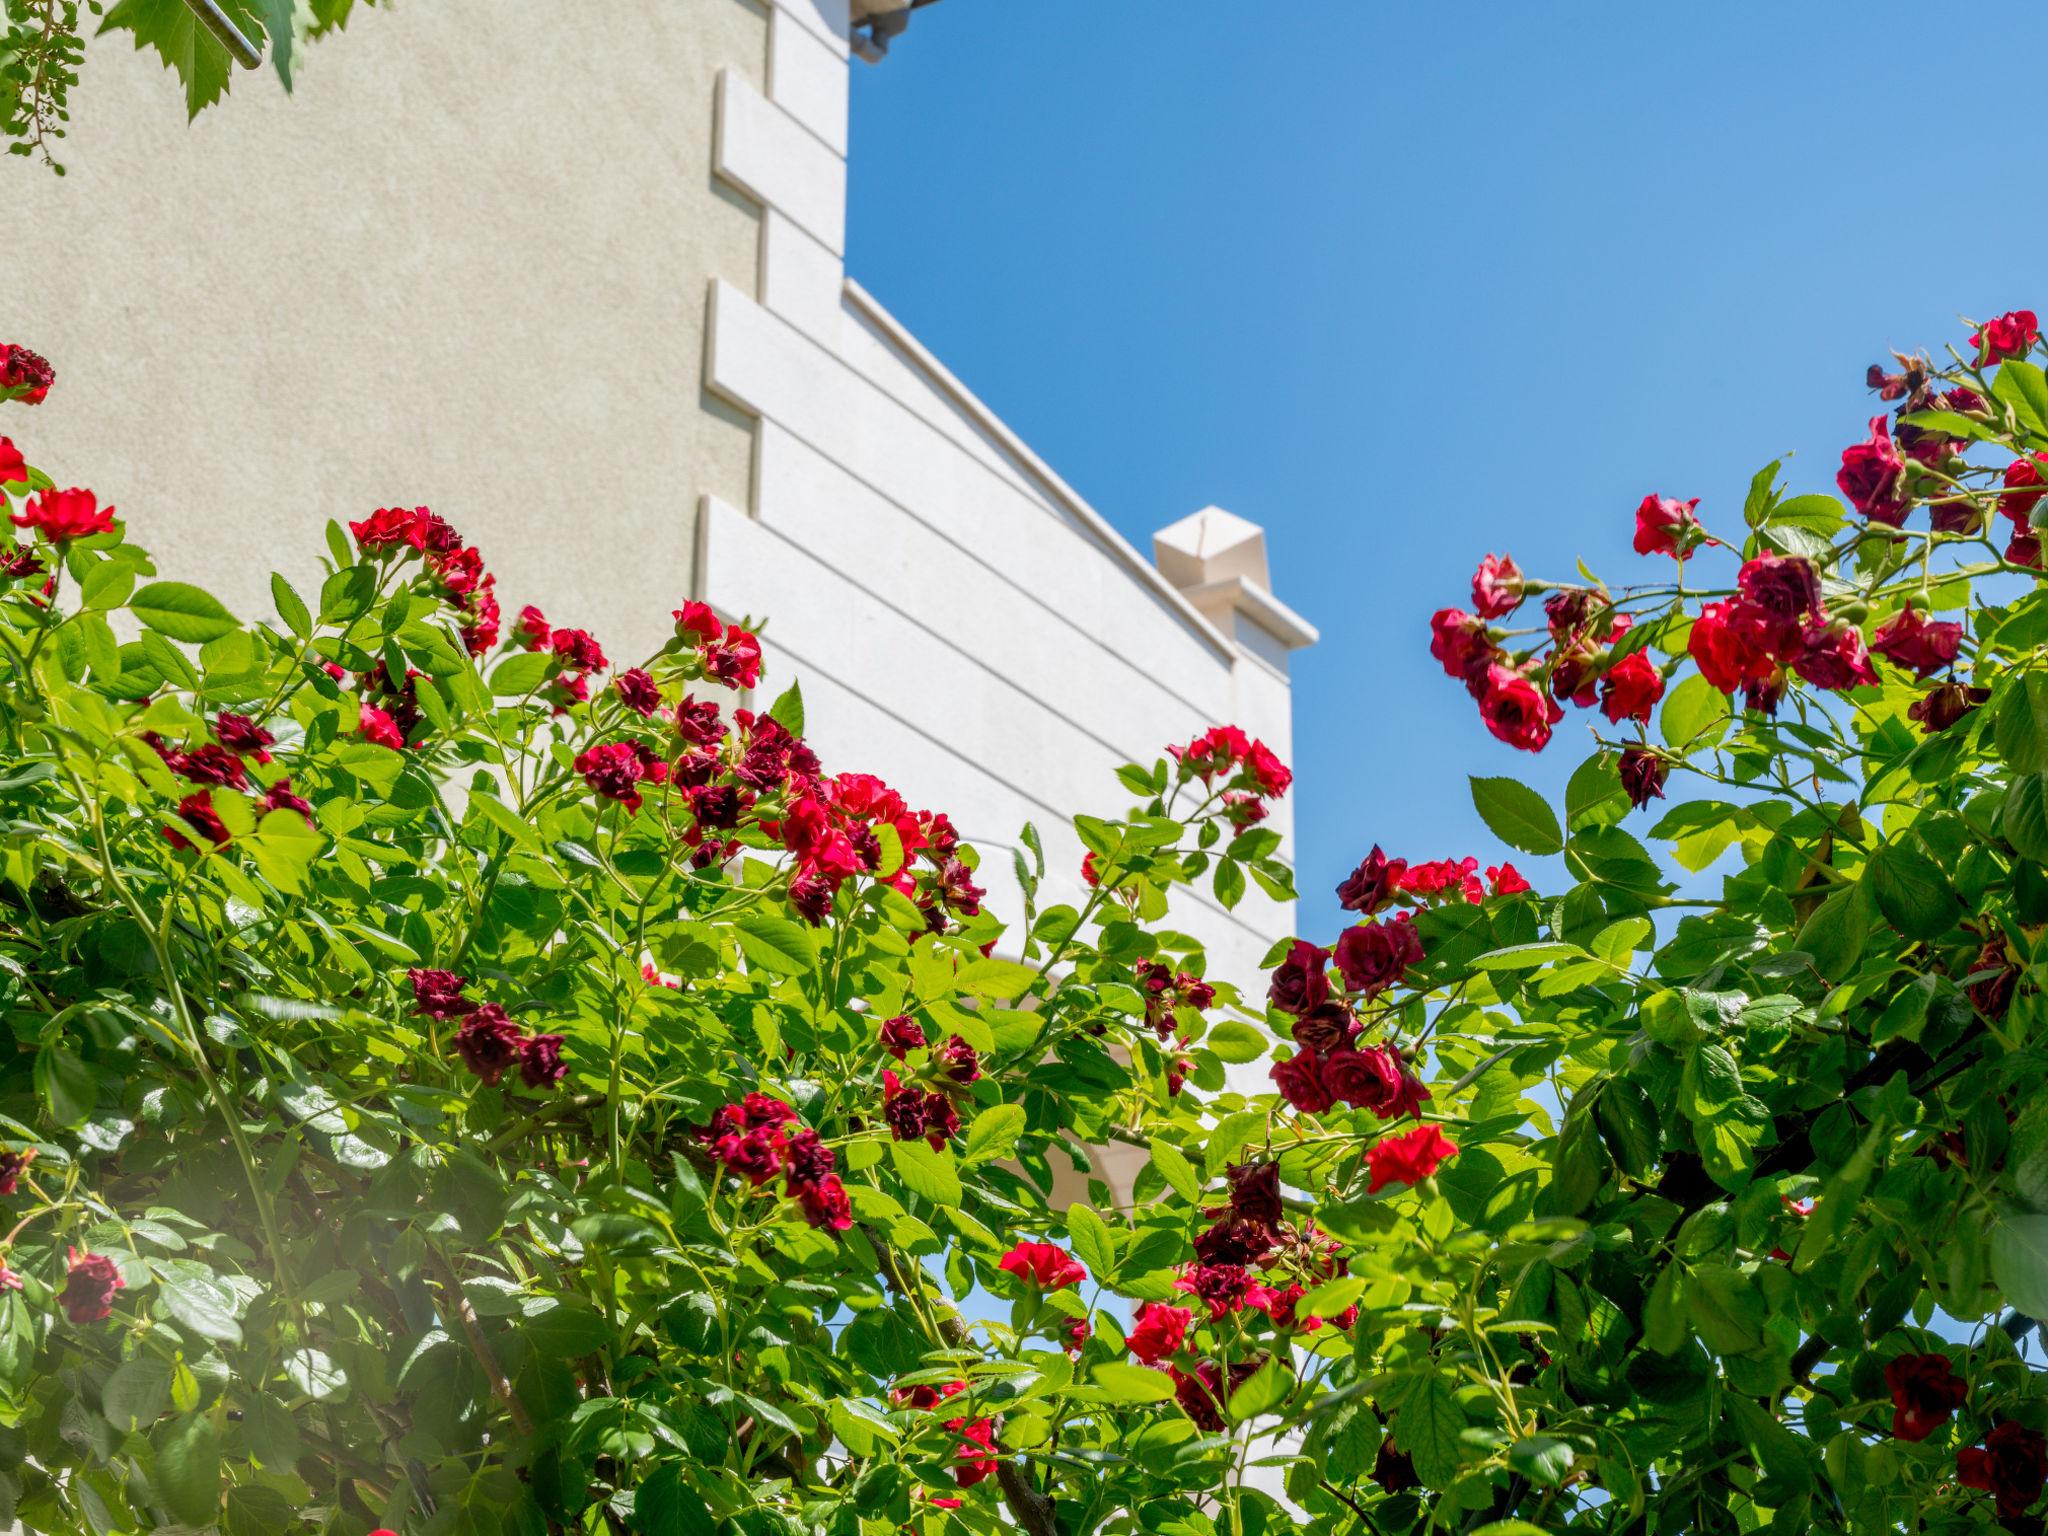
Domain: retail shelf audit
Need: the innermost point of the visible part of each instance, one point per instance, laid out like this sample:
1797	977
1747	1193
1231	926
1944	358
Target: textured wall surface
465	266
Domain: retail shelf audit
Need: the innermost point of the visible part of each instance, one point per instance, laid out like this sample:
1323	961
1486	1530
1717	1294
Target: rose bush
463	1087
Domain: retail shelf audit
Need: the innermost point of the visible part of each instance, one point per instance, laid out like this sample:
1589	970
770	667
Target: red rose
540	1061
1301	982
1265	769
1300	1080
415	528
696	623
2012	334
1497	587
13	467
958	1060
23	375
1224	1287
1730	645
1785	591
614	770
1910	641
1374	956
238	733
1872	475
824	1203
1435	877
1945	705
637	691
1642	775
1631	689
532	629
2012	1467
197	812
902	1035
1665	526
975	1456
489	1043
377	726
1255	1192
1505	880
1044	1265
1408	1158
61	516
2024	488
1925	1393
1460	642
1516	711
1157	1330
89	1287
1833	656
12	1166
1373	884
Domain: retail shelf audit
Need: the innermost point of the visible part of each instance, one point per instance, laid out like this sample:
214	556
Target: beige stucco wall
465	266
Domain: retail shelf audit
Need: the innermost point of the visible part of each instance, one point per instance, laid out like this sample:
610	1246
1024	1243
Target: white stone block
801	280
831	20
807	78
772	157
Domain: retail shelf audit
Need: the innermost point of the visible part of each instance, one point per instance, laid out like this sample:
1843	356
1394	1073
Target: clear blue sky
1406	284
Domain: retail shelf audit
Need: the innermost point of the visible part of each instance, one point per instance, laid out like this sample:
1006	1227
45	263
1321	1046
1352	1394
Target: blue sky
1406	285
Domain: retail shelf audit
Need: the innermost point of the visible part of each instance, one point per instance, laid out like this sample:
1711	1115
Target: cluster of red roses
488	1041
975	1456
1249	771
24	376
2012	1463
1379	880
728	653
59	516
456	568
752	1140
576	649
1166	991
219	763
911	1110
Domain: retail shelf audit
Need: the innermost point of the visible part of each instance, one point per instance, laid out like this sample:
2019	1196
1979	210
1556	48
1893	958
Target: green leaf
2021	385
1229	883
1429	1426
2021	726
2024	820
184	45
1911	890
255	1509
1726	1308
517	676
1236	1042
1091	1238
1121	1383
188	1469
995	980
290	606
2019	1260
1262	1391
1517	815
788	710
65	1084
276	16
666	1505
1332	1297
135	1396
107	585
925	1172
506	820
1177	1171
776	943
284	848
1695	714
1542	1459
199	1307
1835	934
993	1133
182	612
1593	796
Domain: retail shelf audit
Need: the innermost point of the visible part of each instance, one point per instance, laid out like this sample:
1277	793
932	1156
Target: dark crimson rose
1516	711
1460	642
613	770
1044	1265
925	1396
811	894
1409	1098
197	812
1730	643
754	1155
89	1287
1925	1393
579	648
902	1035
1575	670
2024	548
1394	1469
12	1166
1767	692
1327	1029
1231	1241
2011	335
902	1112
1643	773
1408	1158
1568	608
1665	526
954	885
2012	1467
824	1203
438	994
1374	956
1872	476
489	1043
540	1061
1896	386
1301	982
637	691
1255	1192
959	1060
24	376
1505	880
60	516
1300	1080
211	764
1991	993
1955	514
1157	1331
1785	589
697	722
1224	1287
1201	1393
1369	1079
1497	587
1833	656
1945	705
238	733
1373	884
1919	645
1631	689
